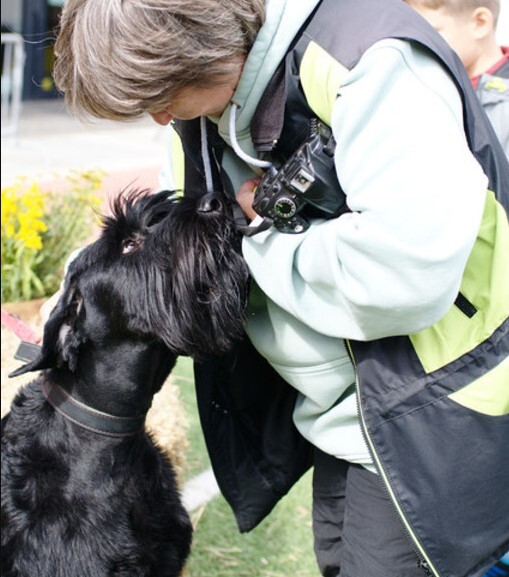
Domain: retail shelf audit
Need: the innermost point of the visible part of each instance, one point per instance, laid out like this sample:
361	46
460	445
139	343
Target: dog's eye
130	245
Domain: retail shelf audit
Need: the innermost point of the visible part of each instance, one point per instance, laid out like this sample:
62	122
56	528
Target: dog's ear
61	340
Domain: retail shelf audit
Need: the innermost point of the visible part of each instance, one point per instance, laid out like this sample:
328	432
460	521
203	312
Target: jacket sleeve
394	264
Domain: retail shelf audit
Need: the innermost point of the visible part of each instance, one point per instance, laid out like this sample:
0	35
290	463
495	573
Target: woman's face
195	102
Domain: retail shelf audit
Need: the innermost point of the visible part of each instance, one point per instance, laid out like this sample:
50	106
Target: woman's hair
459	6
118	59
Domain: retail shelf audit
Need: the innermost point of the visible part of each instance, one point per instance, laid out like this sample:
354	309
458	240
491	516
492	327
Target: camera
305	187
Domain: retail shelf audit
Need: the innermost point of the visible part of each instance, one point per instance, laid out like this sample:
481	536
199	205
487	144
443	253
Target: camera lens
285	207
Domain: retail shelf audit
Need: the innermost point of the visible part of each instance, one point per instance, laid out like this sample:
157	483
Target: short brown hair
459	6
118	59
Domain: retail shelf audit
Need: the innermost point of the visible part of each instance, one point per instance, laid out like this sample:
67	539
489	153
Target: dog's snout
210	202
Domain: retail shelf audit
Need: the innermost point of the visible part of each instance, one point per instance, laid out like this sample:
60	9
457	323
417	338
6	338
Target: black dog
85	491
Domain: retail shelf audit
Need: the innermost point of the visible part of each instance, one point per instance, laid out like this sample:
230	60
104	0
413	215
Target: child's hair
459	6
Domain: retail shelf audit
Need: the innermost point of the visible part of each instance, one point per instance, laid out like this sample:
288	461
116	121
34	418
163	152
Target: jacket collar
283	20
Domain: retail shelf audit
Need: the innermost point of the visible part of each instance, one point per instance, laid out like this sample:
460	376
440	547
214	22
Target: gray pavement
49	142
200	490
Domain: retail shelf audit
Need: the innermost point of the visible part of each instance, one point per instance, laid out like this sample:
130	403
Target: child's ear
61	340
484	22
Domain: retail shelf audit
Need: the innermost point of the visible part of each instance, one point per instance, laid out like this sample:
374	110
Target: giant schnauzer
85	490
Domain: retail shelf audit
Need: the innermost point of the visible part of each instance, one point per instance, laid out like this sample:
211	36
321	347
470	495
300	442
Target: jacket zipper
424	562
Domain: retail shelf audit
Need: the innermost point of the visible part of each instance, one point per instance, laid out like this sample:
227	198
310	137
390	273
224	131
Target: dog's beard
205	298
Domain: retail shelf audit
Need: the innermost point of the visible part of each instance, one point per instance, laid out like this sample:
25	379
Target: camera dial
285	207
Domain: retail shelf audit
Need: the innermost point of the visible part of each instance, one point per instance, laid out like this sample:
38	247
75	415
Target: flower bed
40	228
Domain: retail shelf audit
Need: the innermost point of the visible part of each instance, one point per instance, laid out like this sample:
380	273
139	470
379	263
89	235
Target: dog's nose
210	202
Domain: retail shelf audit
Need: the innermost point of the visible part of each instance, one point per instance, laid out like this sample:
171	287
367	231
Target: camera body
306	186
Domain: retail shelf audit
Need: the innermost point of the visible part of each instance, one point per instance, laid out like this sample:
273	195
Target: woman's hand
245	197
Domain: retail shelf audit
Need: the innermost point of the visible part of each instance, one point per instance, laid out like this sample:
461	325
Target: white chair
13	61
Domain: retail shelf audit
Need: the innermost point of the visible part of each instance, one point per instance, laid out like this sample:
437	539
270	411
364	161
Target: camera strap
249	229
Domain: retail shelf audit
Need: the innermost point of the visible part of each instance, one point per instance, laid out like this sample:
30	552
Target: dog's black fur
165	278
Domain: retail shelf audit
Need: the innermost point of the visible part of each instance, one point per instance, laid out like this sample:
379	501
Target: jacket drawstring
235	145
239	216
205	154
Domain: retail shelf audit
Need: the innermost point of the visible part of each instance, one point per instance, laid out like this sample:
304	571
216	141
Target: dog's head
164	269
202	305
103	308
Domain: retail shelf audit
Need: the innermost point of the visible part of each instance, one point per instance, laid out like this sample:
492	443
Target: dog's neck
89	418
119	389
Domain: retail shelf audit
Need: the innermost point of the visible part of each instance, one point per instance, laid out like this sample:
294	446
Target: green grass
281	546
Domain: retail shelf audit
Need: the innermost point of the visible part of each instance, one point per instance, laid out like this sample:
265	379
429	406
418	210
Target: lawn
281	546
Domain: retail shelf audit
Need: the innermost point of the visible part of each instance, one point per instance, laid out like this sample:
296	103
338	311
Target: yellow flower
9	210
33	201
39	230
28	210
32	240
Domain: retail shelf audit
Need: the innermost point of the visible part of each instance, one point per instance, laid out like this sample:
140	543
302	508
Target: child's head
468	26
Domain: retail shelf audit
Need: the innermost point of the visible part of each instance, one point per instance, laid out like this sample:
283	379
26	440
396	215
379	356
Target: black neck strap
89	418
241	223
